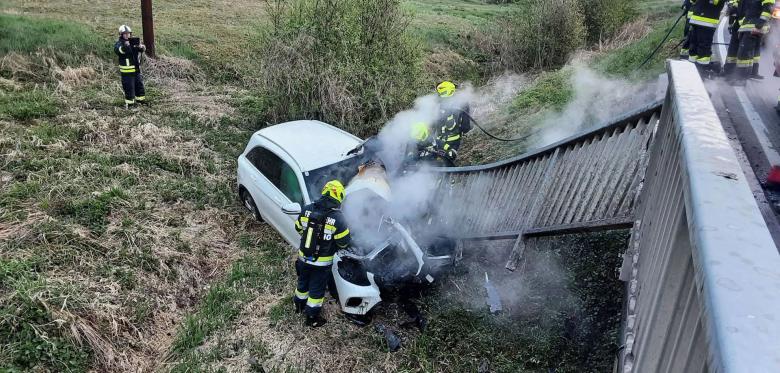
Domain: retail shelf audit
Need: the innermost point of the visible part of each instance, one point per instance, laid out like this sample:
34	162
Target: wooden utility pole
148	26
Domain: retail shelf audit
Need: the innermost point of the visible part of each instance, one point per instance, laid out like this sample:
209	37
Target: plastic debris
493	300
393	342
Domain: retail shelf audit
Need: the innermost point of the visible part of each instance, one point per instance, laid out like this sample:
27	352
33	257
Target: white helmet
124	28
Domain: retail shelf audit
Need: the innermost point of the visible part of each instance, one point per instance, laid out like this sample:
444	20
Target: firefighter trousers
133	86
310	292
731	54
701	44
748	45
686	46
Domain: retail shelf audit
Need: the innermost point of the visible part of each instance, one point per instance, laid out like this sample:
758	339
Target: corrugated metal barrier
702	271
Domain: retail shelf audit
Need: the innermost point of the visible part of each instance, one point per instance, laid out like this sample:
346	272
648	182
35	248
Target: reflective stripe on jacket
706	13
127	56
754	14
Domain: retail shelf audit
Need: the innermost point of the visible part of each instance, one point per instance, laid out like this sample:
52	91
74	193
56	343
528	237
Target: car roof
311	143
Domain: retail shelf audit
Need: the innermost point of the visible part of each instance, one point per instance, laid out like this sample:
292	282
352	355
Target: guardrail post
519	248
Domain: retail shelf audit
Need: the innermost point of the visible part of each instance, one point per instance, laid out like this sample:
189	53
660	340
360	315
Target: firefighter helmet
334	189
445	89
124	28
419	131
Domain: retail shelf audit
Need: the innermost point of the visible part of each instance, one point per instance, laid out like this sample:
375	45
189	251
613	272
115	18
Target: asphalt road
751	123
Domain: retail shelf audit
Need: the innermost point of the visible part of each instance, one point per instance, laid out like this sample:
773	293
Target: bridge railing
583	183
703	271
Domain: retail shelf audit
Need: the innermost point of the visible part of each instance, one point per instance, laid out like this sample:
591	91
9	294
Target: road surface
750	121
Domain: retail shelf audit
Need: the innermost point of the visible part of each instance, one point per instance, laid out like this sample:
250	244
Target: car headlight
776	13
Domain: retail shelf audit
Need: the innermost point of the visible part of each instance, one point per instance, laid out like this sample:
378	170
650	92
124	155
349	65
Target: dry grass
156	255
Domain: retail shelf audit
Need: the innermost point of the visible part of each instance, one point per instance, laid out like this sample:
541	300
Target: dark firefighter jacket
335	234
754	14
706	13
453	123
688	7
127	57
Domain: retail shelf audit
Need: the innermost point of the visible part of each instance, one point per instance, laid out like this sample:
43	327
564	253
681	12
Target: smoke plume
596	99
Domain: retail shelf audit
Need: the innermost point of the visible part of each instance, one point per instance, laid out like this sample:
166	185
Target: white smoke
487	102
596	99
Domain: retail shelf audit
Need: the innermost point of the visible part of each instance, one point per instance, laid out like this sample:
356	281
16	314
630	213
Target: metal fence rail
703	272
583	182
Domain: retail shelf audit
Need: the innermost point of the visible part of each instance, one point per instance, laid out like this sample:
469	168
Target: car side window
268	163
277	171
289	184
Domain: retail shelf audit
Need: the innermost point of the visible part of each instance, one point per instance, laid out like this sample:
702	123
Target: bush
540	35
604	17
347	62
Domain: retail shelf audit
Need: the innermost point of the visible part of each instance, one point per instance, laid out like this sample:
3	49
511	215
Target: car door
275	183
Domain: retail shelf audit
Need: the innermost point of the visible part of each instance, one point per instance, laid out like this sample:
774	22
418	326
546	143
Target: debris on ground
393	342
254	365
493	300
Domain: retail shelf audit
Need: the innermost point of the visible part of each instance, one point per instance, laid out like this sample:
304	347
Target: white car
278	170
284	168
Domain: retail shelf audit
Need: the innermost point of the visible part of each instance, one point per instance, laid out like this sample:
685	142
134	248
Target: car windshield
343	171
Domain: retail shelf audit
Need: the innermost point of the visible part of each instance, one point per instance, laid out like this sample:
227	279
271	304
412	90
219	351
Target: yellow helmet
446	89
419	131
335	189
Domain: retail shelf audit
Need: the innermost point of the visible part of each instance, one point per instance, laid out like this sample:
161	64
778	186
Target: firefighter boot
715	68
777	107
728	69
315	321
754	72
299	306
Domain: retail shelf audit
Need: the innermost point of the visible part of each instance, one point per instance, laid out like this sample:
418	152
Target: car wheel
250	205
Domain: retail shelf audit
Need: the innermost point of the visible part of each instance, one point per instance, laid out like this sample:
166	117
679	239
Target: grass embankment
114	223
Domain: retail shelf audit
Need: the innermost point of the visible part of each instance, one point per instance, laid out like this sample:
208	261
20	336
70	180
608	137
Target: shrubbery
542	34
604	17
346	62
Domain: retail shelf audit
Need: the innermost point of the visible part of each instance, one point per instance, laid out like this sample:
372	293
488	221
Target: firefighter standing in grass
454	121
323	231
130	67
753	17
704	22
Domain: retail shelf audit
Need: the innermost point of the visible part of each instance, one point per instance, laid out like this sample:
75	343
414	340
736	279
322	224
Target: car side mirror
292	208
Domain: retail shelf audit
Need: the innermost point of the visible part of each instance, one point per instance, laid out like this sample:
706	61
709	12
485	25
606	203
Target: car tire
249	204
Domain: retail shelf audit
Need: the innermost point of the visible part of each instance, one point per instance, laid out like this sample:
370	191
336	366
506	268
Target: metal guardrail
584	183
703	272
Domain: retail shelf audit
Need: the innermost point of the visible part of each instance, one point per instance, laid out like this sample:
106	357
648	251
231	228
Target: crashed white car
285	166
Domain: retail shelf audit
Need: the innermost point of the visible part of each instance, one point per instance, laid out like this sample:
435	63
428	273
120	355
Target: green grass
440	23
67	40
264	269
92	212
26	105
28	330
626	61
551	90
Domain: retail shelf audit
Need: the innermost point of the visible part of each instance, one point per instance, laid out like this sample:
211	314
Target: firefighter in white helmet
128	50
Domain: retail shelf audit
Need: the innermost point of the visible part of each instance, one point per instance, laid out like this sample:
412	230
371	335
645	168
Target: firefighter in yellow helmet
323	232
425	147
453	121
